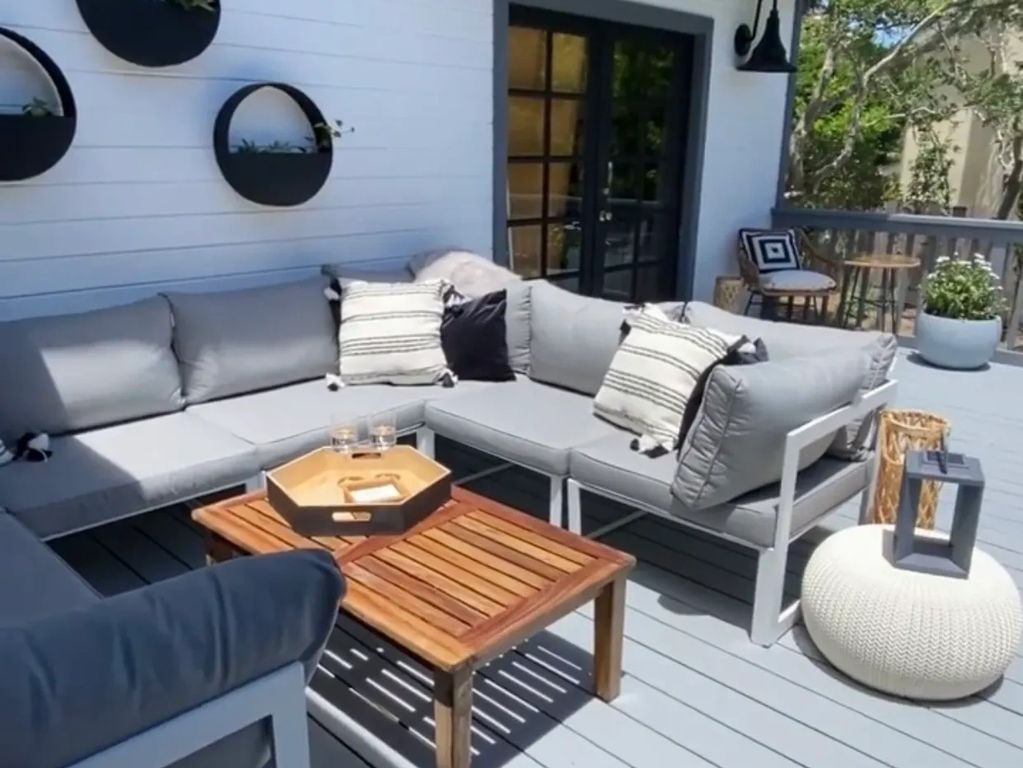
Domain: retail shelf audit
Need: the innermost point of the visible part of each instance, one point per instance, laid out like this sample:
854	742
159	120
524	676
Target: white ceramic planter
960	344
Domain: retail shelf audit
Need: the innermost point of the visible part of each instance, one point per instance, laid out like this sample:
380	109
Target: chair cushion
470	273
736	442
654	373
572	338
474	337
107	473
516	320
609	465
232	342
786	340
24	559
286	422
71	372
390	333
771	250
524	422
797	280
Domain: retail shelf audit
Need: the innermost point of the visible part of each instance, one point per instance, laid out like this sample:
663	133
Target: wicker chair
790	285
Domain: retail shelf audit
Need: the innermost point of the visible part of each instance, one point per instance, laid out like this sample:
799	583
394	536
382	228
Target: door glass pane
525	125
564	246
624	182
527	58
569	63
625	128
652	191
653	237
654	124
565	191
649	286
525	190
618	285
567	126
569	282
524	244
618	238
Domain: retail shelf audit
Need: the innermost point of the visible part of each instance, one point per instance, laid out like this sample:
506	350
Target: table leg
843	300
901	281
452	712
218	549
608	636
861	311
882	305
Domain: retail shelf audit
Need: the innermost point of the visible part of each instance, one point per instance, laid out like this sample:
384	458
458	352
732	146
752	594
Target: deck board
696	691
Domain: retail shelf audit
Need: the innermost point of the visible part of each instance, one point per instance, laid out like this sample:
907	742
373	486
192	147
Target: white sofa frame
278	696
770	619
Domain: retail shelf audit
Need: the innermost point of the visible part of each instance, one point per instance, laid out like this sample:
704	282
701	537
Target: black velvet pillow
474	341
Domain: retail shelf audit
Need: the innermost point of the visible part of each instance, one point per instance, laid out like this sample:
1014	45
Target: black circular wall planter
31	145
273	178
151	33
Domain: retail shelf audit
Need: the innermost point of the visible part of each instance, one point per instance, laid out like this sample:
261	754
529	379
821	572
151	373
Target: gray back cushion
240	341
516	320
73	372
787	340
346	275
736	443
572	338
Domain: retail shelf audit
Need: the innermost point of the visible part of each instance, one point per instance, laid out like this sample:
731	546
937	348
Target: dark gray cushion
572	338
107	473
232	342
25	560
345	274
71	372
736	443
609	465
526	422
76	683
785	340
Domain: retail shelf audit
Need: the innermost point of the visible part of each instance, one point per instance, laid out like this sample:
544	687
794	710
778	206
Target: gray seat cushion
25	560
107	473
77	683
786	340
232	342
528	423
572	338
609	465
72	372
286	422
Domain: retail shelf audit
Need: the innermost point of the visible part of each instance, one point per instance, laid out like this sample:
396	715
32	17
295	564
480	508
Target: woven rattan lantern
927	554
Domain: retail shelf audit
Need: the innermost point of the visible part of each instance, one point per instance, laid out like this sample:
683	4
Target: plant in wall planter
153	33
35	136
961	322
279	173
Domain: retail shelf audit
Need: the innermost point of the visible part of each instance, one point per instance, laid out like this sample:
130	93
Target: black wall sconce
770	54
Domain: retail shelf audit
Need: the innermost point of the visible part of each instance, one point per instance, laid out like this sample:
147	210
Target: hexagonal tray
326	493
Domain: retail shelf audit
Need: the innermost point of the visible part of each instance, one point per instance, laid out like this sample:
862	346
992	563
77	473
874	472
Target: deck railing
843	234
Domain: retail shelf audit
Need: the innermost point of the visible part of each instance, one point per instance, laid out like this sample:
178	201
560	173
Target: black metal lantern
770	54
927	554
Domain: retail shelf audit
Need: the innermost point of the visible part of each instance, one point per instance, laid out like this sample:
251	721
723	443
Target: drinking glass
382	431
344	434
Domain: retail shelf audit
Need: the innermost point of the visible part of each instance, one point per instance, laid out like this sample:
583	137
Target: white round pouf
906	633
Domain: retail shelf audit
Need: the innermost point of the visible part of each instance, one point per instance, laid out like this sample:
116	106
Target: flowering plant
964	289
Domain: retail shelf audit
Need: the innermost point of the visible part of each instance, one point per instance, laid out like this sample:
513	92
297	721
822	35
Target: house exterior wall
138	204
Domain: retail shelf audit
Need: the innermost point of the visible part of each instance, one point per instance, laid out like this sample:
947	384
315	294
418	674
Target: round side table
907	633
894	270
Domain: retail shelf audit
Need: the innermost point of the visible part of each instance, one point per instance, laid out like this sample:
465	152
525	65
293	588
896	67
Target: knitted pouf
906	633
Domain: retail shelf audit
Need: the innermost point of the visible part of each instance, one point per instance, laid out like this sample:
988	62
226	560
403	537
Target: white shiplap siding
139	204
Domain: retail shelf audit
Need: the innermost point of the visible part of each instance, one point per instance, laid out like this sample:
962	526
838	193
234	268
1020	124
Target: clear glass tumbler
383	431
344	434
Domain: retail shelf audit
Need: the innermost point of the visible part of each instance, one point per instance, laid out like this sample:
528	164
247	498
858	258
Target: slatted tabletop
469	582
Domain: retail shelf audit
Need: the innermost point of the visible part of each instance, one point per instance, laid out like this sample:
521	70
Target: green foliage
929	190
38	108
273	148
196	5
964	289
322	140
325	133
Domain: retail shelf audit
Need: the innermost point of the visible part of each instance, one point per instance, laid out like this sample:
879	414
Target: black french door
597	117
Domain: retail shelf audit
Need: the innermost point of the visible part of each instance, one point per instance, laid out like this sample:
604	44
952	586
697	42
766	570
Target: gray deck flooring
696	692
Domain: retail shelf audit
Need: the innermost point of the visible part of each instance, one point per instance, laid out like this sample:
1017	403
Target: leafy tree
868	70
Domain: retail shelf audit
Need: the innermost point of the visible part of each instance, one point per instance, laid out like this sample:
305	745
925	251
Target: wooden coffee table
468	583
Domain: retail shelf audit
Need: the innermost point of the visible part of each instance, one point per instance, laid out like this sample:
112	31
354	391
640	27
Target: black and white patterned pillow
390	333
654	373
771	250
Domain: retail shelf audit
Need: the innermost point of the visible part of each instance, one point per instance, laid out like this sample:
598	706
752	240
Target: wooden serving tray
326	493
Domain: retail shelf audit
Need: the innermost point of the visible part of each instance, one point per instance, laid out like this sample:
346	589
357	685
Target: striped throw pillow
390	333
654	373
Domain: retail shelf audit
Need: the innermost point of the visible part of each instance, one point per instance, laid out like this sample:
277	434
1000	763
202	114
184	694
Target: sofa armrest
79	682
